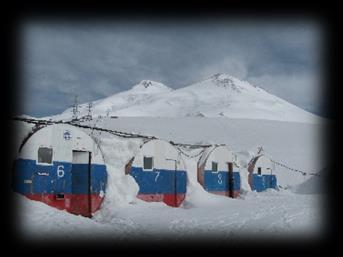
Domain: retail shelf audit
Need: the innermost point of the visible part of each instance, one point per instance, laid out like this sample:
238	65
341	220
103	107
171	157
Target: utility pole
259	150
89	108
75	107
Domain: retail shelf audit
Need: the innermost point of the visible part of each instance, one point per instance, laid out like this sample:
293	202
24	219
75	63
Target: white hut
218	171
62	166
160	173
261	175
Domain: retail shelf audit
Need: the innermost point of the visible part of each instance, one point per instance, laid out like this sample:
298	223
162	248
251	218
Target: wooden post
230	178
89	184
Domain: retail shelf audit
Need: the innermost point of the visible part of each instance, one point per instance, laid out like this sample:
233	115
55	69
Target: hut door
171	199
81	184
230	177
175	188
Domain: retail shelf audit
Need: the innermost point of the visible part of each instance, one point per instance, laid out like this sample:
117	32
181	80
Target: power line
191	156
113	132
304	173
41	123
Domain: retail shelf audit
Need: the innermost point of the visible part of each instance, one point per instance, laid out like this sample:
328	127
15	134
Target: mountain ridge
216	96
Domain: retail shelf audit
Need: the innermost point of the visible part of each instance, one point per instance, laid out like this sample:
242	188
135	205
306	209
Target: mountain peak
224	80
146	83
151	86
221	76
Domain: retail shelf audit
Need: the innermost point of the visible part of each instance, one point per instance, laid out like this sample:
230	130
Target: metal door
81	184
231	181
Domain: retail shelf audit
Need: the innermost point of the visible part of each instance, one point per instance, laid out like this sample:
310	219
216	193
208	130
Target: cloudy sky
95	59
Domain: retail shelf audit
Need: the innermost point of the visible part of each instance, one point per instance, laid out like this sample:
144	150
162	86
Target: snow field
123	216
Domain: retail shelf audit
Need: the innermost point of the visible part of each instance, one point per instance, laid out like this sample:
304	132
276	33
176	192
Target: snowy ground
279	214
122	216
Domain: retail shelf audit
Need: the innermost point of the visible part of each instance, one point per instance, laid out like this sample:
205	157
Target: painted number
220	181
60	171
157	175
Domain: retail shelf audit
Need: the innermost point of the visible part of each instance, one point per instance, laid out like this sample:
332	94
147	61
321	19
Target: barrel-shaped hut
62	166
218	172
261	175
160	173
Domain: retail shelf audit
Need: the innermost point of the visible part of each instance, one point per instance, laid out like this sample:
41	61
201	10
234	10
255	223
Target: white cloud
302	89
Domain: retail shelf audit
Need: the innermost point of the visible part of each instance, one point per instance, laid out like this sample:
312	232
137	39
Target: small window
259	170
45	155
147	163
60	197
214	166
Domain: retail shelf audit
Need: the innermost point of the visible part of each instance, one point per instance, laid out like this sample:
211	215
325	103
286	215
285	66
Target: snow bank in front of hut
314	185
243	159
121	189
196	195
37	220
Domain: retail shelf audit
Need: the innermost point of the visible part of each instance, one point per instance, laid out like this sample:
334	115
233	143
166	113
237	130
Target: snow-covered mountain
219	95
139	94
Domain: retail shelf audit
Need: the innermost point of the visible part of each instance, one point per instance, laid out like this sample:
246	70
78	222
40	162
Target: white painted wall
53	136
81	157
160	150
266	165
222	155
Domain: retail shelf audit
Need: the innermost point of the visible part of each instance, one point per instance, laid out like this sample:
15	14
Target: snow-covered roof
165	155
63	139
263	161
205	155
220	154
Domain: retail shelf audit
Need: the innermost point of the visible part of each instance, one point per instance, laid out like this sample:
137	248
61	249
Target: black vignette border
11	88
